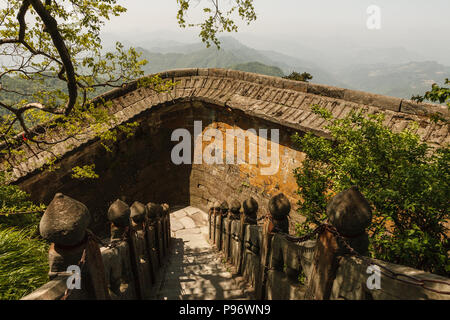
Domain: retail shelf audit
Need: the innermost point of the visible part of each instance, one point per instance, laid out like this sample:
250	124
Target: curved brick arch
274	99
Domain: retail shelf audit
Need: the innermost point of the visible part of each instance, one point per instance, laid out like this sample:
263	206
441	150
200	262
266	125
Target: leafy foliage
55	47
52	65
217	19
84	172
305	76
14	201
437	94
404	180
32	53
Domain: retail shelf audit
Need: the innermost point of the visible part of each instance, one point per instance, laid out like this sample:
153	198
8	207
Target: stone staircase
195	270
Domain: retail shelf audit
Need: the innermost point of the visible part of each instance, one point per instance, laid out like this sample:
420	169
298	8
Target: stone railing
124	266
328	264
282	267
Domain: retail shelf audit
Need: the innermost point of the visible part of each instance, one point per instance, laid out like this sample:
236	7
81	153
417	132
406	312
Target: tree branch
52	28
21	18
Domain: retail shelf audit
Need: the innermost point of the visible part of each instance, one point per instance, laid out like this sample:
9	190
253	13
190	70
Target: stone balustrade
279	267
331	263
122	267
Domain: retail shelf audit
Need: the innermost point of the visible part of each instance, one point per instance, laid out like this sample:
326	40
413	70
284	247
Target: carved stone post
161	228
279	208
214	211
64	224
152	239
119	216
210	224
249	216
234	215
154	212
167	237
141	256
250	207
219	224
235	210
350	213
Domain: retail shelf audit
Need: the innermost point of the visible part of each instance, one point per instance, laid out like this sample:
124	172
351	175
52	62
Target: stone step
209	294
201	282
212	294
194	269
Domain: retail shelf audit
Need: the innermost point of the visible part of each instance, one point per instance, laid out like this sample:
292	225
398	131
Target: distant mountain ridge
232	53
395	79
257	67
402	80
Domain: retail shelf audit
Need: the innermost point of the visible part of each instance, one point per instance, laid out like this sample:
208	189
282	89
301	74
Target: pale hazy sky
399	17
419	25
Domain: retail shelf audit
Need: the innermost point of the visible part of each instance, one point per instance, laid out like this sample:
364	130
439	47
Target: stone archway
140	168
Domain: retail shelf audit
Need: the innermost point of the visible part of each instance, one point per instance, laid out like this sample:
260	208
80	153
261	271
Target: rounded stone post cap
164	209
119	214
250	206
224	206
138	212
235	206
279	206
153	210
349	212
216	205
65	221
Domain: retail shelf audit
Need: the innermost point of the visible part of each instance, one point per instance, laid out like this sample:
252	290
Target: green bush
23	255
437	94
405	181
23	262
305	76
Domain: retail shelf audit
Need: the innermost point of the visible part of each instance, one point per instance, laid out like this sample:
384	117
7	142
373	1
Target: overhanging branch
52	28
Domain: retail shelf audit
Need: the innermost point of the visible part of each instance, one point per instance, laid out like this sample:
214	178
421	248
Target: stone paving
195	270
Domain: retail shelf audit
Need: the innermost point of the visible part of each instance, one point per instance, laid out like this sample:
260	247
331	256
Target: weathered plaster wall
141	168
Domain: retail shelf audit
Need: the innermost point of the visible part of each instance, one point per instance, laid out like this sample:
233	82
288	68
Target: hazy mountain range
231	53
400	80
390	71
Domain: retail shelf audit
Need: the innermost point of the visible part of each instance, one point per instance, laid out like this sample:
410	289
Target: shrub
23	255
405	181
305	76
23	262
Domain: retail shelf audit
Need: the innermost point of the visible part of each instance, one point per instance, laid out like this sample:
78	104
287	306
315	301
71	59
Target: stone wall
221	99
135	165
